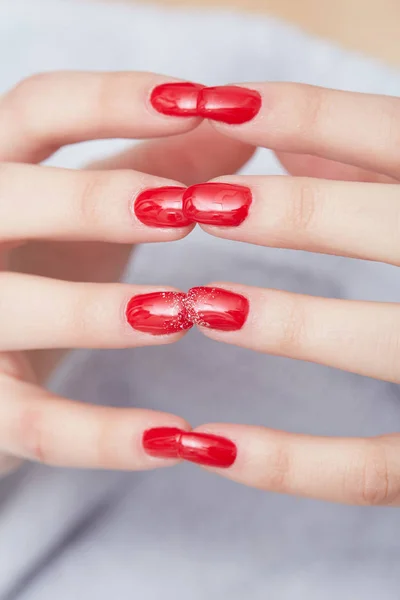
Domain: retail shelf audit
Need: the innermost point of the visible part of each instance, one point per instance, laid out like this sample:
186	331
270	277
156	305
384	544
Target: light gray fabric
182	533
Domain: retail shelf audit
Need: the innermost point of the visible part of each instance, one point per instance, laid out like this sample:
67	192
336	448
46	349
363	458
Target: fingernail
228	104
161	207
219	204
206	449
176	99
216	308
162	442
158	313
200	448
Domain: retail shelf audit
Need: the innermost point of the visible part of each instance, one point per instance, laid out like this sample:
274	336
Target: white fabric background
184	534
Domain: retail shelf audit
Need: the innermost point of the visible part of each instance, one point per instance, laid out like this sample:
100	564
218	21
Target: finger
50	110
192	157
357	129
39	426
97	205
181	157
306	165
361	337
333	217
60	204
352	471
40	313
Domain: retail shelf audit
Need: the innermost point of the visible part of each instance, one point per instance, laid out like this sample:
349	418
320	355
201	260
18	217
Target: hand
64	228
320	136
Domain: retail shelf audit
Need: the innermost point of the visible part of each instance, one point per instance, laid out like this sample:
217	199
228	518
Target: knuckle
386	346
82	312
112	89
303	201
102	199
369	480
292	330
277	474
314	111
105	94
106	454
89	199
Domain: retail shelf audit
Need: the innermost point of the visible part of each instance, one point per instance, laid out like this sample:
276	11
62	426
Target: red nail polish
176	99
219	204
162	442
161	207
208	450
201	448
216	308
158	313
229	104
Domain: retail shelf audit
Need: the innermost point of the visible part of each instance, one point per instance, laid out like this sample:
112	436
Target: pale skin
337	177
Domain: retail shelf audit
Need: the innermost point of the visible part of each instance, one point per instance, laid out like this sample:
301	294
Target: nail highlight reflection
162	207
218	204
200	448
161	313
158	313
231	104
178	99
216	308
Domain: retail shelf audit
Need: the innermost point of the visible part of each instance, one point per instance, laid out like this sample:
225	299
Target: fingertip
174	102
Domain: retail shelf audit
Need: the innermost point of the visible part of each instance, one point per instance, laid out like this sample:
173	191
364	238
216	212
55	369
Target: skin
37	425
326	139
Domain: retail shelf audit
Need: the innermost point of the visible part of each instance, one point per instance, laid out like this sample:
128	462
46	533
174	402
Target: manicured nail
200	448
219	204
216	308
162	442
176	99
161	207
206	449
229	104
158	313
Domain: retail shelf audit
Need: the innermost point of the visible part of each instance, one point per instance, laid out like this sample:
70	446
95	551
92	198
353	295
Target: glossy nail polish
228	104
177	99
158	313
200	448
219	204
208	450
161	207
162	442
216	308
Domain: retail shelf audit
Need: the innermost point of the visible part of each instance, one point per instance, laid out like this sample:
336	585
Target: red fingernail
200	448
176	99
161	207
216	308
158	313
206	449
162	442
220	204
229	104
